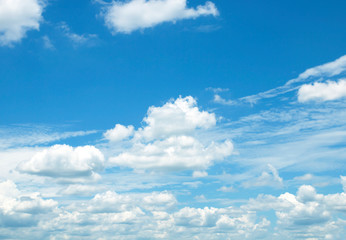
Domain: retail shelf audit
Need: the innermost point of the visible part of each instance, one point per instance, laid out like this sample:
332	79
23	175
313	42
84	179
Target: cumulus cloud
63	161
307	209
118	133
176	117
154	215
322	91
128	16
17	17
21	210
167	140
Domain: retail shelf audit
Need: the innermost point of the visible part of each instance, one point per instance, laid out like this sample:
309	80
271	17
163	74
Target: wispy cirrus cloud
30	135
78	39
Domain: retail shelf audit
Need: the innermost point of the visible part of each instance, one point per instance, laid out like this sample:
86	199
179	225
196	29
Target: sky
172	119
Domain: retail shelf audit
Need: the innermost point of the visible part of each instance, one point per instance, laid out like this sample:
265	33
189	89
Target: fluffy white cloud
167	142
174	153
126	17
118	133
322	91
21	210
63	161
178	117
17	17
305	214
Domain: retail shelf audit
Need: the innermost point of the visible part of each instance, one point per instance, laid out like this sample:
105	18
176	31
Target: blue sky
165	119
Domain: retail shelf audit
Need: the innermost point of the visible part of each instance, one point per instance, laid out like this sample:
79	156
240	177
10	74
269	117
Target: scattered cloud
319	91
78	39
17	17
47	43
226	189
217	90
218	99
269	178
129	16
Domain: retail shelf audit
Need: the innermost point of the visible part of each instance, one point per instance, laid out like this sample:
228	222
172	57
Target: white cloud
226	189
343	182
152	216
31	135
21	210
63	161
78	39
324	71
118	133
167	142
174	153
305	214
112	202
199	174
81	190
269	178
178	117
218	99
329	69
17	17
322	91
126	17
47	43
